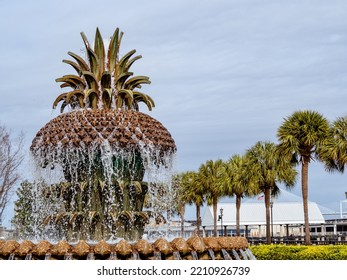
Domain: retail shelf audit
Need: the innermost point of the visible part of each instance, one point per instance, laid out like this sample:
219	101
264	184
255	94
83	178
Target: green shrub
292	252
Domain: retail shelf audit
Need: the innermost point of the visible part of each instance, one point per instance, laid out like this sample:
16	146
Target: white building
287	220
287	216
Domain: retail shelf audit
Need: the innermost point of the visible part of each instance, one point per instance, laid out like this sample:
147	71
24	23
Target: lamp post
220	218
343	203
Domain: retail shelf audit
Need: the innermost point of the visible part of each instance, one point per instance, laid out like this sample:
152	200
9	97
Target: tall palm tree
193	193
239	183
334	153
180	199
211	178
302	137
269	169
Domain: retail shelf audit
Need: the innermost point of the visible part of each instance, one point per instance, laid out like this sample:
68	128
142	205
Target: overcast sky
224	73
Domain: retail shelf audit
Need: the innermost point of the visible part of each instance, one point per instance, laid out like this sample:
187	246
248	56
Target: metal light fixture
220	218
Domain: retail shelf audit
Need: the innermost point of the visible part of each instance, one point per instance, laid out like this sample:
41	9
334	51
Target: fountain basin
194	248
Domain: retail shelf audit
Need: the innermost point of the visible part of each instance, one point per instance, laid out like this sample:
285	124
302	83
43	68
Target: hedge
292	252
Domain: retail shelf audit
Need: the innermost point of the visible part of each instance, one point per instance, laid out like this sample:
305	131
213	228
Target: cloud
224	73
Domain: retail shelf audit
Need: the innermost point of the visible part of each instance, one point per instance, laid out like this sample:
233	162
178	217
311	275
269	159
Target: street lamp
220	218
343	204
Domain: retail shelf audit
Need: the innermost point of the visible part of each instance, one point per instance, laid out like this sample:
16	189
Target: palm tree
268	169
239	183
193	192
302	137
181	196
334	153
211	179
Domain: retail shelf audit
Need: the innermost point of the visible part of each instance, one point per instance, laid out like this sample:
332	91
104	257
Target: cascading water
250	254
100	189
210	251
243	254
157	256
235	255
226	255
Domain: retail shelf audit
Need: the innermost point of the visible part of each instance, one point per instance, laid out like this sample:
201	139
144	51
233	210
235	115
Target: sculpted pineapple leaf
106	80
141	97
83	65
103	80
91	80
131	61
120	80
71	94
136	82
99	51
113	49
72	80
74	65
107	97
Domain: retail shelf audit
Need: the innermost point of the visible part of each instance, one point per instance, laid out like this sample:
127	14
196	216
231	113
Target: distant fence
300	240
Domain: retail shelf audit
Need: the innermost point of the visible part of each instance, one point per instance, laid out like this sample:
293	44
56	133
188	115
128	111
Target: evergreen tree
24	206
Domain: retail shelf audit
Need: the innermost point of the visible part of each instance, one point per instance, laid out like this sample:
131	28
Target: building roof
254	214
287	209
283	196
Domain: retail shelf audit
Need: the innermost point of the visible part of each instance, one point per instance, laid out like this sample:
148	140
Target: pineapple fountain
105	148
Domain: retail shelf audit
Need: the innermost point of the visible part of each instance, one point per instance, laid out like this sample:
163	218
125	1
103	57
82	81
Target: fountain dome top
126	129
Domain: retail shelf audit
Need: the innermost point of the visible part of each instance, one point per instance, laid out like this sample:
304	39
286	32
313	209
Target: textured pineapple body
126	129
104	155
123	138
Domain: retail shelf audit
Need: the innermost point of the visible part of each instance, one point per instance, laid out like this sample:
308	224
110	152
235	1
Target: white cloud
224	73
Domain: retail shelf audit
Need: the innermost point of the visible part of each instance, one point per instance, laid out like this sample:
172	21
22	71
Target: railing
300	240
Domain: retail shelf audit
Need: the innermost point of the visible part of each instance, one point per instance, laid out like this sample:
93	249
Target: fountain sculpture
105	148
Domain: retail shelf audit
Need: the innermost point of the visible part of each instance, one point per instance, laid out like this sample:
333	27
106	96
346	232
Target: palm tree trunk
267	195
198	218
238	206
182	212
214	201
304	186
